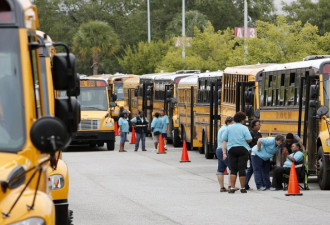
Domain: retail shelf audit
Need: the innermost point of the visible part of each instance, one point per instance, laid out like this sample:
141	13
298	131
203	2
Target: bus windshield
12	135
93	98
119	90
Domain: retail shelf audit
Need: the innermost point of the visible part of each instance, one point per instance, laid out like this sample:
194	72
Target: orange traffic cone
116	129
161	149
184	156
293	188
133	138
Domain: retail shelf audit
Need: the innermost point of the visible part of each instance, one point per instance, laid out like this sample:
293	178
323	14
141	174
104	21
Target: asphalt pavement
111	187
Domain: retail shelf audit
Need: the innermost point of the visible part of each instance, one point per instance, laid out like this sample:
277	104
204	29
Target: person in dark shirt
255	127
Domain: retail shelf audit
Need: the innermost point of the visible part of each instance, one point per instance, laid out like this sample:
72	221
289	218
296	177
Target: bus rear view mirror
49	134
68	110
64	76
323	110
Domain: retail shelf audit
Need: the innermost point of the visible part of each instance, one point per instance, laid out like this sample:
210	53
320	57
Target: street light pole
245	30
183	30
148	8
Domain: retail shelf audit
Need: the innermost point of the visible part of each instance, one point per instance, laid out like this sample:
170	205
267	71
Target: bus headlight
31	221
55	182
109	124
327	142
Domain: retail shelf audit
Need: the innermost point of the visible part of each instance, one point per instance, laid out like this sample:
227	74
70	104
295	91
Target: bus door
215	102
310	133
245	92
147	102
192	117
169	106
130	96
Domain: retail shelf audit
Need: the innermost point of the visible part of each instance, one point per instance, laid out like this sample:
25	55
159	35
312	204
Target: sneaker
249	189
236	188
122	151
275	189
262	189
165	147
223	189
231	191
243	190
135	150
144	150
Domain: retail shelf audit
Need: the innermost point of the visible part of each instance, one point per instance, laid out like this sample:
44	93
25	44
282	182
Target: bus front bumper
84	137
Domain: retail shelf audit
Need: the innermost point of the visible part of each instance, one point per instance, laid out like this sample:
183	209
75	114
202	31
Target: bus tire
176	138
110	145
323	173
100	144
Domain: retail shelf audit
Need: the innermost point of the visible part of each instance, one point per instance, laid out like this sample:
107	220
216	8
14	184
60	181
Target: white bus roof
246	69
172	76
94	78
297	65
152	76
194	79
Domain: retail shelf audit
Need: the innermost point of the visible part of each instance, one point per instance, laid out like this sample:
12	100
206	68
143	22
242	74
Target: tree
95	38
193	19
307	11
144	57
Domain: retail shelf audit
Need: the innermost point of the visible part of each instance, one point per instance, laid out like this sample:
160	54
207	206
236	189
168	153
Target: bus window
119	90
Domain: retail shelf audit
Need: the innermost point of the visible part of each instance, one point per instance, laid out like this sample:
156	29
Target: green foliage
144	57
307	11
192	19
93	39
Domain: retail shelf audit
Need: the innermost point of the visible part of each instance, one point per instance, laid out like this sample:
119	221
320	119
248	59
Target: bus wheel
70	222
323	173
201	149
176	138
100	144
110	145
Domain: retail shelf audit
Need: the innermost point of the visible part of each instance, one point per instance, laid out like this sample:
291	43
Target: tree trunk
95	63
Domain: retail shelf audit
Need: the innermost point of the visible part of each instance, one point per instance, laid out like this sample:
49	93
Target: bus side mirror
136	92
49	134
257	113
169	94
323	110
114	97
68	110
249	111
314	91
63	70
249	97
75	91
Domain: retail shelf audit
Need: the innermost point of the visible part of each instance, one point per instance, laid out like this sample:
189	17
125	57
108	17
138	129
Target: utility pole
245	30
183	30
148	9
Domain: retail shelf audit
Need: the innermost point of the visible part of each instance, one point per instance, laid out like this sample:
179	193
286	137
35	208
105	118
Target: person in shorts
222	164
165	121
156	129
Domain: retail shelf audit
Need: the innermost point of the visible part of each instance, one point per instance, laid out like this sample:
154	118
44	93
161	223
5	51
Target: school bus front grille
89	125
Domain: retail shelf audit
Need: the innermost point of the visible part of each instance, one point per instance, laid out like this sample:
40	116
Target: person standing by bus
123	126
222	164
165	121
140	123
261	154
254	131
156	129
236	138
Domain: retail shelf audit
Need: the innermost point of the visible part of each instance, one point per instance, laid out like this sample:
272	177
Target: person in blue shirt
296	156
140	124
123	126
222	164
156	129
165	121
236	138
260	157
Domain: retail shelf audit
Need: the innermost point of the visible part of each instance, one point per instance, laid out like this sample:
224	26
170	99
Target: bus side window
291	89
282	89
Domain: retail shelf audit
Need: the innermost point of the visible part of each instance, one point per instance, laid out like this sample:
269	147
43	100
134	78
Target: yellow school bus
294	97
116	84
165	97
130	95
29	137
58	176
186	105
97	125
145	95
